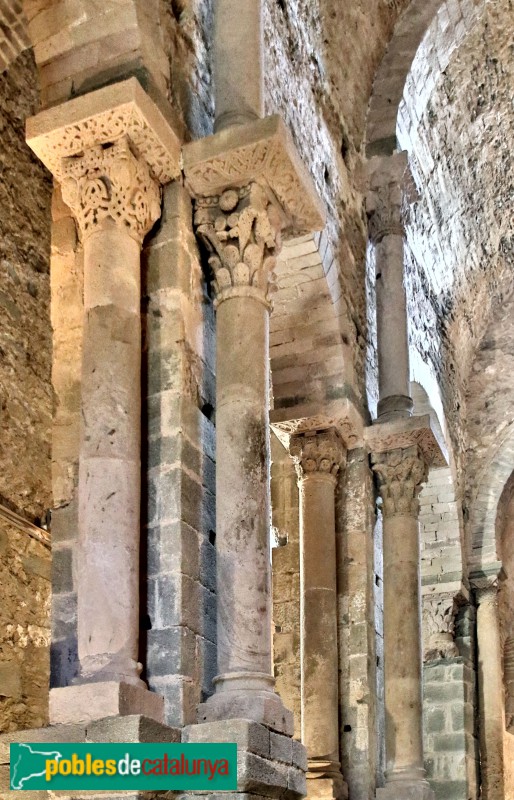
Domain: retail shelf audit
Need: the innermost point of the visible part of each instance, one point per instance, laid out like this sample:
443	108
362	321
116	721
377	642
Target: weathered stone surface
92	701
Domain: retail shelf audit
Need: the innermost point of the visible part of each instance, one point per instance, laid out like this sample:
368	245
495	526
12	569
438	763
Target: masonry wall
25	405
24	630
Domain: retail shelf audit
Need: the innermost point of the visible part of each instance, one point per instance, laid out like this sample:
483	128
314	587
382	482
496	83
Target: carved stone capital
111	184
119	111
241	231
400	475
319	454
439	612
382	437
260	152
342	415
391	188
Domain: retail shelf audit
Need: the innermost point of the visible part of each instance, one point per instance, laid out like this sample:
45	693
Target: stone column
387	233
238	62
490	694
318	457
114	194
248	184
241	232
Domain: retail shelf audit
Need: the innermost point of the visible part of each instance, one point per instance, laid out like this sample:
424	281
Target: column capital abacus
319	454
390	190
401	474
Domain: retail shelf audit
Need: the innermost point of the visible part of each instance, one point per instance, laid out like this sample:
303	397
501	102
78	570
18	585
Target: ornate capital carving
111	183
317	453
439	612
391	190
241	231
400	475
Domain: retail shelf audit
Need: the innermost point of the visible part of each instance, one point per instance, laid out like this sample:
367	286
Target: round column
400	475
387	234
115	201
241	232
318	457
238	62
490	694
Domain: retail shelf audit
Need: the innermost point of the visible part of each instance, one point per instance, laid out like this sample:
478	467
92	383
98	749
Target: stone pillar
318	457
387	234
490	694
238	62
241	232
114	194
402	452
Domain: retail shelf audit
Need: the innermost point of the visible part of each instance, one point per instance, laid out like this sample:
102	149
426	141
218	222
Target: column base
93	701
325	781
250	696
397	406
406	790
134	728
268	764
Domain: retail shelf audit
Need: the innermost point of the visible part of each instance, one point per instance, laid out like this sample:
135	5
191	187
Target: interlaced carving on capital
241	231
400	475
111	183
319	453
439	612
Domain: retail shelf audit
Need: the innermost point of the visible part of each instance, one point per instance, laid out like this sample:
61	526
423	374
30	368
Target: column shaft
392	339
490	691
400	475
109	472
238	62
317	457
242	487
402	641
318	617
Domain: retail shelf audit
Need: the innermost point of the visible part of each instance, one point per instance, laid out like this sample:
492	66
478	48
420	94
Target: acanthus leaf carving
400	473
439	612
241	232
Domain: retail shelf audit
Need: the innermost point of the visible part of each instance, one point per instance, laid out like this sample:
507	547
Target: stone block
134	728
51	733
261	776
281	748
405	790
171	651
64	663
181	696
299	755
263	707
249	736
91	701
62	574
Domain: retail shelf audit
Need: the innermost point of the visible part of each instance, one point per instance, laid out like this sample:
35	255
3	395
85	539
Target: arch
484	557
425	36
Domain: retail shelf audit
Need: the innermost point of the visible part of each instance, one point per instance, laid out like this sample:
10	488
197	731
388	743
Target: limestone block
405	790
261	151
51	733
91	701
103	117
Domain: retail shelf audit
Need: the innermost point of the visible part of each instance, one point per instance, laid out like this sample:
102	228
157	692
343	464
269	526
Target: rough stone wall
460	238
24	630
25	334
